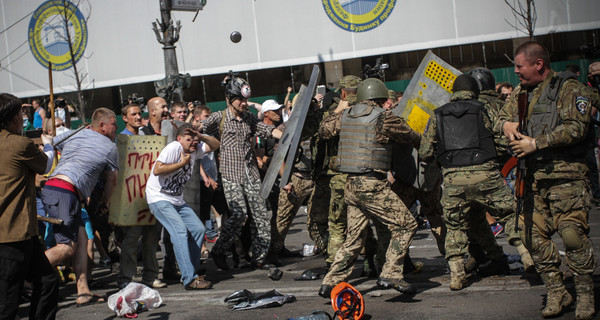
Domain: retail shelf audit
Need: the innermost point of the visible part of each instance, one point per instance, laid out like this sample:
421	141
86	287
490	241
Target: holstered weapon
521	164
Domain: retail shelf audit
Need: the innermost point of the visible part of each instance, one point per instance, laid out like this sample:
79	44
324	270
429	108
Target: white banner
121	48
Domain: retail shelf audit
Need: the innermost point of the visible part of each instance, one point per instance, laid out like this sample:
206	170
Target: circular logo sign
49	34
358	15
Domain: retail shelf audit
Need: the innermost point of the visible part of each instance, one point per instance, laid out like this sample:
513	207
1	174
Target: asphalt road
517	296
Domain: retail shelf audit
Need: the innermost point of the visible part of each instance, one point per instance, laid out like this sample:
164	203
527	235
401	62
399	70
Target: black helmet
485	79
237	88
370	89
466	82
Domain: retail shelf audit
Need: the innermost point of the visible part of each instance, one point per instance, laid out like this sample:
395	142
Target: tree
525	15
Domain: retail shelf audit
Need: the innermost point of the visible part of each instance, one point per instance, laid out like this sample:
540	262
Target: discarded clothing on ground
246	300
309	275
133	299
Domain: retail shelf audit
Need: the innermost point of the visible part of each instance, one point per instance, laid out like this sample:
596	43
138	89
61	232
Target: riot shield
429	88
288	144
137	154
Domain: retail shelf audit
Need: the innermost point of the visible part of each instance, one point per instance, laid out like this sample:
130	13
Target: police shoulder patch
582	104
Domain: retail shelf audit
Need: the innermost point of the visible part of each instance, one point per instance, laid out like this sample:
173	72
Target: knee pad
571	239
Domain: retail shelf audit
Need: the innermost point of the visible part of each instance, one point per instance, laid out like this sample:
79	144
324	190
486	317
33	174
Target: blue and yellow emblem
358	15
48	34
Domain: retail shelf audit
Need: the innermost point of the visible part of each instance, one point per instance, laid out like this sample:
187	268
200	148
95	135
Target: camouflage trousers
288	206
260	225
466	197
337	215
562	206
431	208
317	213
372	198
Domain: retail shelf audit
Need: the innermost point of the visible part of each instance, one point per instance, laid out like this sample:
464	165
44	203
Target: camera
133	98
197	103
60	104
376	71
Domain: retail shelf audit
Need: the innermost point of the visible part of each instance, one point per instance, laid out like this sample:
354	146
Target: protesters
236	127
39	115
22	256
164	192
85	155
158	111
132	115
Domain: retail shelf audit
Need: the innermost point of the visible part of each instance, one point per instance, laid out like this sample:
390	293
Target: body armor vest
359	151
463	139
544	118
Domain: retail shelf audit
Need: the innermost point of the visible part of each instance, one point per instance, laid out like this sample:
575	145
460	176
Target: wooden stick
50	220
51	98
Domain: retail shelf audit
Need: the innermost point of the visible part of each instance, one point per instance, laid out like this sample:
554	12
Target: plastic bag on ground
134	298
247	300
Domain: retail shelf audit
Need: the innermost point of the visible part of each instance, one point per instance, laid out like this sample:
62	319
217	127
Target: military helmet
466	82
370	89
485	79
237	88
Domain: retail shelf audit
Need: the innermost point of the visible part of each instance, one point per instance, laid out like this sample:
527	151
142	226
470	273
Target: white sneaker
156	284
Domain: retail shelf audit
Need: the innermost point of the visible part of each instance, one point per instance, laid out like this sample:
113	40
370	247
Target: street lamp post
167	33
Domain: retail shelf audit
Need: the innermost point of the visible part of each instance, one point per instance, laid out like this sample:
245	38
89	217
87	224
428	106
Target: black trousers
25	260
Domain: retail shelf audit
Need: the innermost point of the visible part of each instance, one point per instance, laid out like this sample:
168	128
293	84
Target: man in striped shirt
84	156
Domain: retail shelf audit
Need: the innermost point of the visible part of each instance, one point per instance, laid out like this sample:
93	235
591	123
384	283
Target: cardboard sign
429	88
137	154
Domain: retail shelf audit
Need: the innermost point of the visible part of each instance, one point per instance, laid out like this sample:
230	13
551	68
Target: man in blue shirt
132	115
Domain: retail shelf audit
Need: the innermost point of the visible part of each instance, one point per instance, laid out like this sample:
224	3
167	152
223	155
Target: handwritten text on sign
137	155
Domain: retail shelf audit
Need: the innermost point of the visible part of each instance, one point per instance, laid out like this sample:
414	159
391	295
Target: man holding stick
85	155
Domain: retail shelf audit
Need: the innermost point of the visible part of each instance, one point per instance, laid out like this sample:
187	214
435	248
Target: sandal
94	299
199	283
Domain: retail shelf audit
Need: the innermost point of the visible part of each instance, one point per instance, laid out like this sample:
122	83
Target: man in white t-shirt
164	193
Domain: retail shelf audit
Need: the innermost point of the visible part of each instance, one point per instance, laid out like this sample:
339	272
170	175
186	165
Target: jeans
211	232
187	235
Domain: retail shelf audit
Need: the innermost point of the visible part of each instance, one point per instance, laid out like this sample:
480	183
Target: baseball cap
270	105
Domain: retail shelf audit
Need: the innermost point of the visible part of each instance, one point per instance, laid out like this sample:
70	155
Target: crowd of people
358	165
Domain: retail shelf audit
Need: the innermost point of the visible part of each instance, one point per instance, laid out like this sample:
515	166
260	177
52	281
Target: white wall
122	48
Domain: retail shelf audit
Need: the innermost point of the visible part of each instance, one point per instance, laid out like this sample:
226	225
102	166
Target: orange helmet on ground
347	302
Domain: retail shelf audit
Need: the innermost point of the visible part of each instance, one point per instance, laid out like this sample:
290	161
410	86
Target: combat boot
471	265
528	264
496	266
458	277
584	285
558	298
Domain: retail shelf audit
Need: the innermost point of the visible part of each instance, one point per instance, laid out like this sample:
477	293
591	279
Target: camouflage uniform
557	195
337	214
337	204
468	191
260	226
288	206
431	208
369	196
301	180
493	106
